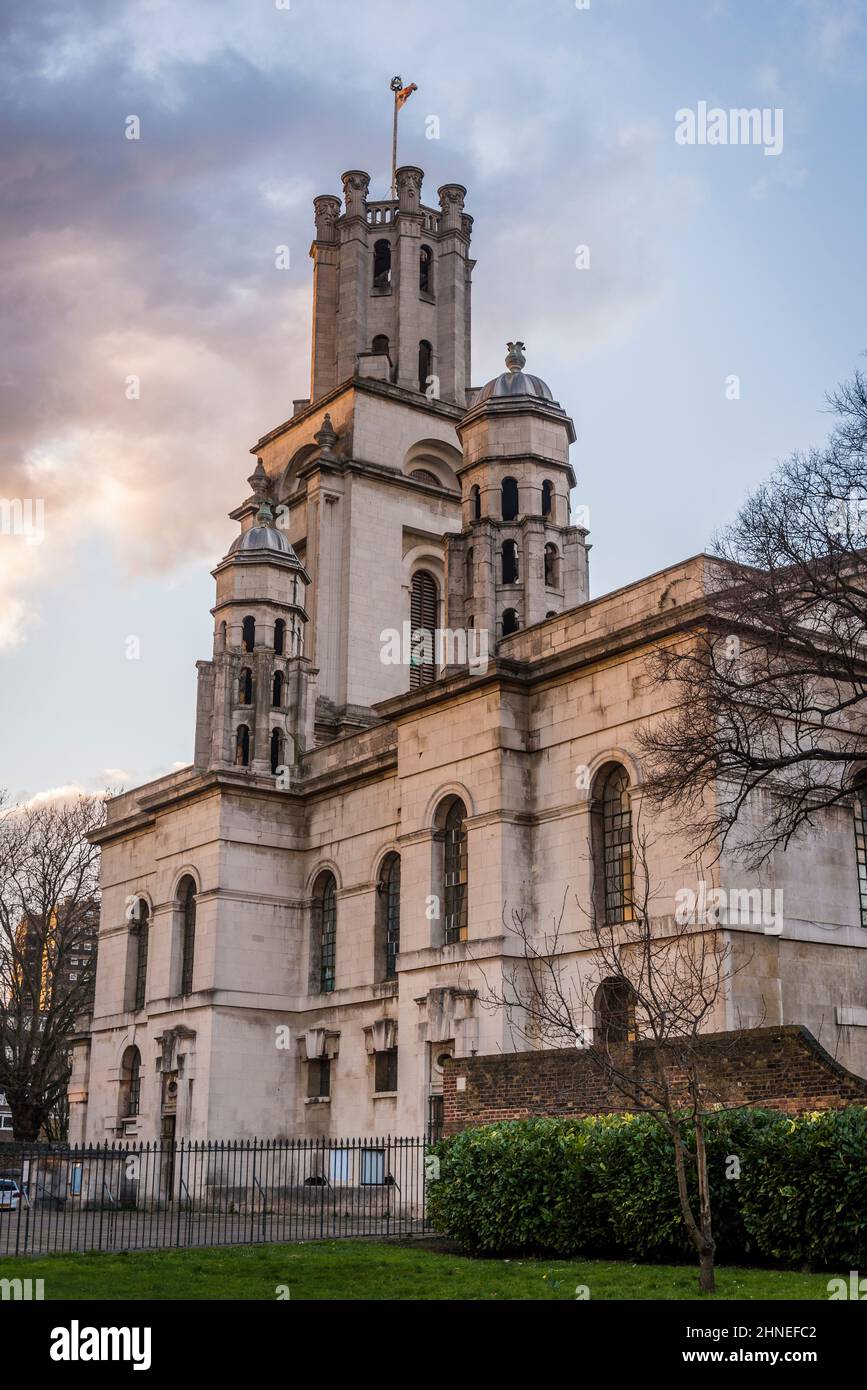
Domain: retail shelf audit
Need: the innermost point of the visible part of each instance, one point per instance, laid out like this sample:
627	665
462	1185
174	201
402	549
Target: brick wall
777	1068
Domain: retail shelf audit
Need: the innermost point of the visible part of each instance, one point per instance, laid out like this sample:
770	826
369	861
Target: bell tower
391	288
517	558
256	697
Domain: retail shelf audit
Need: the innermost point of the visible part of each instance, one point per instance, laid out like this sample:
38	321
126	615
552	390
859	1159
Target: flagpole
396	84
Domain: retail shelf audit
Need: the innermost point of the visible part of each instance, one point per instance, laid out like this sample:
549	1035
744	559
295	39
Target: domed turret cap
514	381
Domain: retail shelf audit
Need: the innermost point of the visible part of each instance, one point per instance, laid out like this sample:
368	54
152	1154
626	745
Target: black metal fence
184	1193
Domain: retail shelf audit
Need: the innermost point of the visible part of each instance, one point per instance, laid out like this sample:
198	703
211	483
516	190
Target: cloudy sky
155	258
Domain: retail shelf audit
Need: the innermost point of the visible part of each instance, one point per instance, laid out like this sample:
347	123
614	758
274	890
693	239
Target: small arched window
223	635
425	270
325	930
455	875
510	621
476	502
552	567
509	554
242	746
248	634
130	1083
381	265
424	611
380	344
245	686
279	637
614	1012
470	576
547	497
509	499
277	690
187	901
141	928
388	934
277	759
613	848
860	790
425	364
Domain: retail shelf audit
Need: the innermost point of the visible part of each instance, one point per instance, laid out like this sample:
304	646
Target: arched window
242	746
187	900
509	553
380	344
248	634
510	621
470	576
277	759
279	637
223	634
476	502
425	364
425	270
509	499
424	475
130	1083
388	933
614	1012
861	842
325	930
245	686
613	845
381	265
141	928
424	605
277	690
547	497
552	567
455	873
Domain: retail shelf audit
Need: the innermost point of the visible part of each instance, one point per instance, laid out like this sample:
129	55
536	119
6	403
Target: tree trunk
707	1249
27	1120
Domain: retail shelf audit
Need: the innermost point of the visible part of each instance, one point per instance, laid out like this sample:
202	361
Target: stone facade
251	980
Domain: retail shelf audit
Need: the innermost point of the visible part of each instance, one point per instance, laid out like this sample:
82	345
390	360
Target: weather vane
401	97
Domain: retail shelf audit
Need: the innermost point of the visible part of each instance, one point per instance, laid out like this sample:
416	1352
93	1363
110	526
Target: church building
415	722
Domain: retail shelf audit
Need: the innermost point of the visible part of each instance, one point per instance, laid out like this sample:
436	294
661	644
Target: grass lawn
355	1269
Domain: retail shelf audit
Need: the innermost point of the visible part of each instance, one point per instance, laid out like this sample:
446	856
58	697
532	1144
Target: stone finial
515	359
409	180
326	210
259	481
326	438
355	186
451	197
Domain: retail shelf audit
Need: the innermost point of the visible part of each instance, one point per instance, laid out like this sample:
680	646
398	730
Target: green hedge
607	1186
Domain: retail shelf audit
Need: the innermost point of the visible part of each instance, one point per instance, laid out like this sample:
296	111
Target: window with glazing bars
141	958
326	909
188	949
423	622
133	1096
455	874
617	847
861	846
390	889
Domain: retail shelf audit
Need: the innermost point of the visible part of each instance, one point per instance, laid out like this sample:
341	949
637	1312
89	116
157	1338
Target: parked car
10	1194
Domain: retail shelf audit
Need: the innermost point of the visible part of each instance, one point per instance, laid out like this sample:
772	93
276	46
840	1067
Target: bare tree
659	981
770	695
49	886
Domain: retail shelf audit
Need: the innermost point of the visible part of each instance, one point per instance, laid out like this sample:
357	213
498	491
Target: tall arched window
187	900
552	568
130	1083
242	746
510	621
388	934
248	634
424	606
860	790
277	690
277	759
325	930
547	497
380	344
614	1012
279	637
141	928
613	845
455	873
223	635
381	265
509	554
245	686
509	499
476	502
470	576
425	270
425	364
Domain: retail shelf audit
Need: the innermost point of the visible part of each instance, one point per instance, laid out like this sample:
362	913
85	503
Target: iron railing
130	1196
